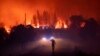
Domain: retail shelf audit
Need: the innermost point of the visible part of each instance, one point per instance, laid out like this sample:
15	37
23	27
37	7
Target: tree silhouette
76	21
3	35
75	25
21	33
90	28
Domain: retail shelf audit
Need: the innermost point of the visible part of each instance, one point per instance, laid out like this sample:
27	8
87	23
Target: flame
58	25
7	29
28	23
65	26
35	25
61	24
43	22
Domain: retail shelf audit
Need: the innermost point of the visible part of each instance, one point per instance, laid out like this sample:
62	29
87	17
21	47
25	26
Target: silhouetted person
53	46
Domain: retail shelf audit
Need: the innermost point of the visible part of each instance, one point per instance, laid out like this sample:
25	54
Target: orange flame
7	29
41	23
61	24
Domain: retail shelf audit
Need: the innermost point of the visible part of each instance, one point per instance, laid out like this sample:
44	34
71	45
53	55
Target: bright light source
44	39
52	38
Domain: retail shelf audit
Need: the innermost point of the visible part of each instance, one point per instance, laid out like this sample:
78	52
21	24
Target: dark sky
14	10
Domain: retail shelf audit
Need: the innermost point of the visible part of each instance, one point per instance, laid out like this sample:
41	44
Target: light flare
44	39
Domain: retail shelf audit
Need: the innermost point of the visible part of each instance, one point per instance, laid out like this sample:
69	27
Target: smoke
12	11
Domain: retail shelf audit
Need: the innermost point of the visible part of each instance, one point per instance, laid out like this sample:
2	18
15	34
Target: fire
28	23
65	26
43	21
7	29
35	25
61	24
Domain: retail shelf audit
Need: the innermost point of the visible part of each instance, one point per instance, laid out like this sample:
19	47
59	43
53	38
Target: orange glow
28	23
7	29
12	12
61	24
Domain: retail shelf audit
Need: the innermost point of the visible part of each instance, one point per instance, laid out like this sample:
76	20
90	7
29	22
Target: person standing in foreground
53	46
